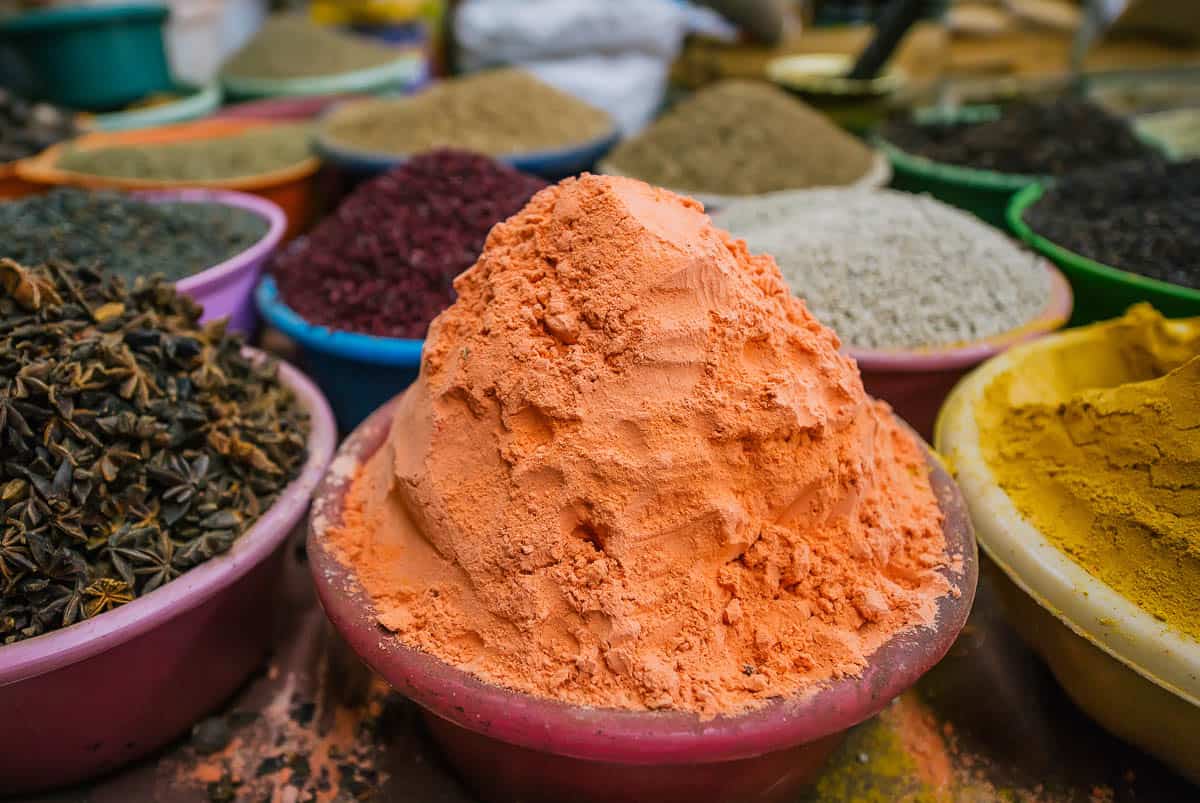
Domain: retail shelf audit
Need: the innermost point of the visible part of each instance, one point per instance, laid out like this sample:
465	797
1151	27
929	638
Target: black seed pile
28	128
1047	138
1143	217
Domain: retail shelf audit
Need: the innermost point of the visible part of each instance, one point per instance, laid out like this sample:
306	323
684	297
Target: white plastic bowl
1128	670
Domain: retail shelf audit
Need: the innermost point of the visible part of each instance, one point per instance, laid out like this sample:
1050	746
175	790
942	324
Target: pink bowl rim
36	656
276	226
622	736
1053	316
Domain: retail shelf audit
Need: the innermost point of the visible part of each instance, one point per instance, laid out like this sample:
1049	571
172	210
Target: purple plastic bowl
510	746
915	383
227	289
81	701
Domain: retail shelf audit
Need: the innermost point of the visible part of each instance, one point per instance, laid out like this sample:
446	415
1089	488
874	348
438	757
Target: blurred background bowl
359	373
394	76
189	103
95	58
915	383
227	288
86	699
290	188
1101	291
512	746
1126	669
819	79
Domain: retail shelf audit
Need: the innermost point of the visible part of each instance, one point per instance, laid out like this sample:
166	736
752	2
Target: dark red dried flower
384	263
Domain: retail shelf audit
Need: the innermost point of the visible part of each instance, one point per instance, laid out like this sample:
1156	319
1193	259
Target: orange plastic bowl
291	188
13	186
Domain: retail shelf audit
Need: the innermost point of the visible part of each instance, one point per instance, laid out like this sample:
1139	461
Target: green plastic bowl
92	58
407	70
985	193
1101	291
197	103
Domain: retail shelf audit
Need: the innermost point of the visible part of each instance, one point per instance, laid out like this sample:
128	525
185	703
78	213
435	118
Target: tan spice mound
635	472
497	113
743	138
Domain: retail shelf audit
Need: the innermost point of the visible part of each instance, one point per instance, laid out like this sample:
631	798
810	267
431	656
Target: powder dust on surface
635	472
1096	443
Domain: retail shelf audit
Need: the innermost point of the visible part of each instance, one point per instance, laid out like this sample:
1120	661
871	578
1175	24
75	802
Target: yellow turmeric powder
1097	442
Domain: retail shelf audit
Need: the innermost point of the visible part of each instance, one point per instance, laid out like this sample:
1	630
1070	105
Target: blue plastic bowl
95	58
551	165
357	373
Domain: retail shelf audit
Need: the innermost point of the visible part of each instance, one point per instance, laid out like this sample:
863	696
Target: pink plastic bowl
511	746
227	289
915	383
81	701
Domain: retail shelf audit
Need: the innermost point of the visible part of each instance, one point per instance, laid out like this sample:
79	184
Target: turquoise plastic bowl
92	58
357	373
198	102
395	76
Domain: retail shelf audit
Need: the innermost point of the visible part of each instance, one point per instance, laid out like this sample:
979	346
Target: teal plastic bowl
197	102
985	193
92	58
1101	291
395	76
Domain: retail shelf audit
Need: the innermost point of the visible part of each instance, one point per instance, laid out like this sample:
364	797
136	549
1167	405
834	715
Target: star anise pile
134	443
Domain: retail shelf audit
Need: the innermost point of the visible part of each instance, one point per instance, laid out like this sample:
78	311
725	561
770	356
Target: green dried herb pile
134	444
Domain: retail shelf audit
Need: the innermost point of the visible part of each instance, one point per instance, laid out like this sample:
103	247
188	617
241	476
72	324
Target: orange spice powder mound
635	472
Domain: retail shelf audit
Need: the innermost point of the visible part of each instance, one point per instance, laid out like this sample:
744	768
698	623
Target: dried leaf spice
134	443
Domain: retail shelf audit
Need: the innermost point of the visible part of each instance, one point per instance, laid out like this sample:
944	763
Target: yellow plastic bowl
1128	670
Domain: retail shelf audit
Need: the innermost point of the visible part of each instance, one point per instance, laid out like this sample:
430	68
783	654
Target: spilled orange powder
635	472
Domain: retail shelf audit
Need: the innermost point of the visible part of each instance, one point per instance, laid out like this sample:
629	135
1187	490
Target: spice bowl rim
1054	316
1021	204
876	177
338	343
834	83
259	251
39	655
618	736
1083	603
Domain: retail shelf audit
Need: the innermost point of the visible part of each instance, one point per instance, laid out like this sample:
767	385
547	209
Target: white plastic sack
491	32
629	87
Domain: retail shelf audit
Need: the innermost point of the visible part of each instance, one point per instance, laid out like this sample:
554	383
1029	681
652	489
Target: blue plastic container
551	165
95	58
357	373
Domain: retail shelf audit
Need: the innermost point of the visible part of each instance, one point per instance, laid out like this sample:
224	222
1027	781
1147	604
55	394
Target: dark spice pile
120	233
29	128
384	263
134	444
1143	217
254	152
1048	138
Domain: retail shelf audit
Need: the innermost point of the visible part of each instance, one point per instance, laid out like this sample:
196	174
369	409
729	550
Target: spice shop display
121	233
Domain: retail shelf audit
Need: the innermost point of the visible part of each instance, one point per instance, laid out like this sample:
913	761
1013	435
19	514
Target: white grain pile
890	270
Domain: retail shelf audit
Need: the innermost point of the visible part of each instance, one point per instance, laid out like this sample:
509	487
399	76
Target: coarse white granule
891	270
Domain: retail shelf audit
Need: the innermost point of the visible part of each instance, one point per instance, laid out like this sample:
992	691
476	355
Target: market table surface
988	723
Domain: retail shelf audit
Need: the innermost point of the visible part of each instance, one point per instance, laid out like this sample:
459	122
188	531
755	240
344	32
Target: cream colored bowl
1126	669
